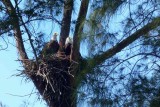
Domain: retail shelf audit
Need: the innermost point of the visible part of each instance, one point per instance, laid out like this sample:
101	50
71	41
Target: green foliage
39	42
96	29
103	7
43	7
125	79
5	24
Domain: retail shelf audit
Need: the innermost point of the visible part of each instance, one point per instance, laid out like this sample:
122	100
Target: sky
13	87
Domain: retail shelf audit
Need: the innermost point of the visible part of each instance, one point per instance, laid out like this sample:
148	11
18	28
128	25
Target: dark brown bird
51	47
68	46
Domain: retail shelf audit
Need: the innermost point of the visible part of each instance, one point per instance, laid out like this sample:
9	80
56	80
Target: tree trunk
66	22
16	28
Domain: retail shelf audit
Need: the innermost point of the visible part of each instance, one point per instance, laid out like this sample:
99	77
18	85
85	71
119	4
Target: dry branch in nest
53	78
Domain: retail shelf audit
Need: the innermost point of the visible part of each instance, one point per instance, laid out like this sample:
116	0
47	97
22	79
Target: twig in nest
21	95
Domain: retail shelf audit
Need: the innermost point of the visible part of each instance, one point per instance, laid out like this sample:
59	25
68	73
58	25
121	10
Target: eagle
68	46
51	47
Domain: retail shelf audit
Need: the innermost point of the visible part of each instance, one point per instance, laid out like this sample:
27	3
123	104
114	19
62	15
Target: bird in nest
51	47
68	46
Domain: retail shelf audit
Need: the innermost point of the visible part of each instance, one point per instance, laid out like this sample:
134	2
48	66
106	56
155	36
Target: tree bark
75	55
66	22
17	32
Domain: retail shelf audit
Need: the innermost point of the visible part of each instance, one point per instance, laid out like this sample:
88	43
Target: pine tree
113	59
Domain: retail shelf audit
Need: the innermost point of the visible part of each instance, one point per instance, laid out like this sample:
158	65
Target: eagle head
54	37
69	40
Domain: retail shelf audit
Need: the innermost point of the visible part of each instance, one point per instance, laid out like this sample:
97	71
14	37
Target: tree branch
88	66
16	28
78	30
98	59
66	21
28	33
31	41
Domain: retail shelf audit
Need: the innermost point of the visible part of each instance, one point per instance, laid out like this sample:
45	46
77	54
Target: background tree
115	57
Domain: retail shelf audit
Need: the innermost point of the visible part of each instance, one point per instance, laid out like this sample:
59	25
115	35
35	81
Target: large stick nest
53	78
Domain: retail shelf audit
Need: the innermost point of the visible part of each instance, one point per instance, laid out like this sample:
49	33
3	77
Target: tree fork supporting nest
54	80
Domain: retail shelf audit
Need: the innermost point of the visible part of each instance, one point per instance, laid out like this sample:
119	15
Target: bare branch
22	95
79	29
2	48
28	33
31	42
16	28
66	21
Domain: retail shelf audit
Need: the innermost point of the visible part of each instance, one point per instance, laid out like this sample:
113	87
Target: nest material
53	78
